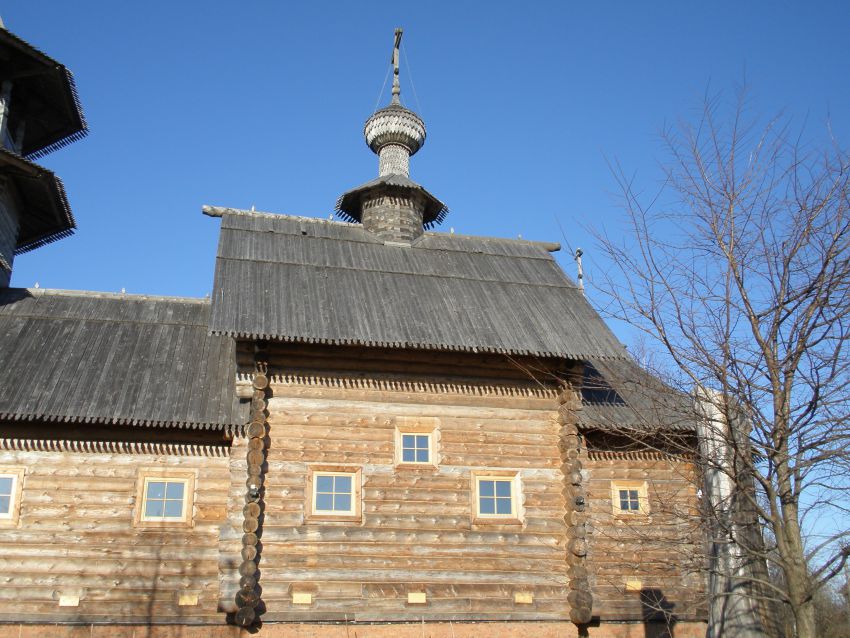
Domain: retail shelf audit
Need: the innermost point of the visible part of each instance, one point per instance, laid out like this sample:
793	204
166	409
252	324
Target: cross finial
396	85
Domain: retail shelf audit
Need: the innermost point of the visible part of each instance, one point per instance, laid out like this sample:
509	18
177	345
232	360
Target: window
496	497
164	498
415	448
334	493
11	480
629	498
417	442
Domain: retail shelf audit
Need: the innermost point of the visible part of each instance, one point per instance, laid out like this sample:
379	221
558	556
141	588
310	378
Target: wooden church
370	429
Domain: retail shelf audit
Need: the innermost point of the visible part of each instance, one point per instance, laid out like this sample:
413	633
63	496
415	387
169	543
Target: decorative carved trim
638	455
514	389
114	447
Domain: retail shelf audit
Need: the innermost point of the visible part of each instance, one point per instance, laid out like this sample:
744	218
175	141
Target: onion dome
393	206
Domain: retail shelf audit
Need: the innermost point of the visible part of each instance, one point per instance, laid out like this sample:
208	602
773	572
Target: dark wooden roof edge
48	61
415	346
221	211
36	292
56	418
64	226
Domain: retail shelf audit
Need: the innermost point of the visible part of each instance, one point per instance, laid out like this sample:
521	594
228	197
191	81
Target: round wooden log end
247	598
248	568
249	552
248	583
578	547
245	616
256	429
249	540
261	382
256	457
250	525
251	510
580	599
581	615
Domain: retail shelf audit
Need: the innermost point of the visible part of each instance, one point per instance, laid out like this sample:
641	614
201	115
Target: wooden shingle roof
314	281
114	359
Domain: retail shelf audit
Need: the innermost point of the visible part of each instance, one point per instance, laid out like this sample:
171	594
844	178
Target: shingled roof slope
114	359
315	281
622	396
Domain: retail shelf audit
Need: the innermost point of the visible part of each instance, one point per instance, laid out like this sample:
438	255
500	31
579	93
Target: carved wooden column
248	598
580	598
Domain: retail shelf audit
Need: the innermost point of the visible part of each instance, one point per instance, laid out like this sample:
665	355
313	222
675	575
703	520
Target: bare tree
738	268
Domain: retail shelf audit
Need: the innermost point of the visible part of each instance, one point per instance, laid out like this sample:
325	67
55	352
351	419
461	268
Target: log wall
76	537
416	533
642	565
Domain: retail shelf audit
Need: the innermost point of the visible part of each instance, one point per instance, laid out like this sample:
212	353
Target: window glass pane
633	495
503	506
324	502
408	440
503	488
6	485
422	456
174	509
174	490
343	484
156	489
635	505
5	504
487	505
324	483
485	488
624	504
342	502
153	508
422	441
408	455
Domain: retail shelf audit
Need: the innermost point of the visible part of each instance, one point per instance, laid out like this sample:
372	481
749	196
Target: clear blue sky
262	103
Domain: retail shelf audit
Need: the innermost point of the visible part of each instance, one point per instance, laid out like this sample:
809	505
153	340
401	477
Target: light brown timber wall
416	533
76	536
641	564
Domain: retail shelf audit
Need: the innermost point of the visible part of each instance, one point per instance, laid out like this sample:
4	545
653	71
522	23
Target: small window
496	497
333	493
164	498
629	498
415	448
10	495
629	501
417	442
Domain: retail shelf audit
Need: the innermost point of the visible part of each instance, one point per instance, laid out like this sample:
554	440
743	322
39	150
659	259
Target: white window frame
148	475
11	518
643	497
334	512
352	515
417	426
513	478
429	435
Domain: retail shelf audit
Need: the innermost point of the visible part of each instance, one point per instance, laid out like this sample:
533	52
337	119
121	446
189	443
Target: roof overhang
45	215
44	97
349	205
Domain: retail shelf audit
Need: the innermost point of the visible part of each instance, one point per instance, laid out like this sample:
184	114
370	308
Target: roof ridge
221	211
96	294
